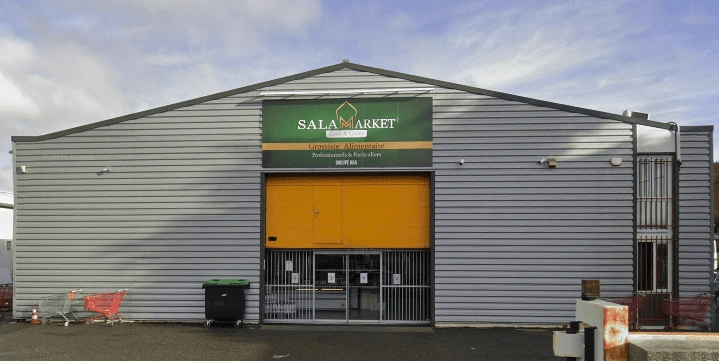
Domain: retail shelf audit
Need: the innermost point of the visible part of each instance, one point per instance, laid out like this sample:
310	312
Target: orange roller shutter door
348	211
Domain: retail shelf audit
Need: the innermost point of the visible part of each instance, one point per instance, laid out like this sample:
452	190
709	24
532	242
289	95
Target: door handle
317	213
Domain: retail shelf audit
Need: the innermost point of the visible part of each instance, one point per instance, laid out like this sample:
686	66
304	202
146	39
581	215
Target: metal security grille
654	277
353	286
289	286
654	194
405	286
655	236
653	263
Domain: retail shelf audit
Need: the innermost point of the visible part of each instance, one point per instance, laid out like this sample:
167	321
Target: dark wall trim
676	169
432	278
336	67
697	128
712	189
263	253
635	240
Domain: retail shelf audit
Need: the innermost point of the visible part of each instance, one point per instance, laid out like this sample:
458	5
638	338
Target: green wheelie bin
225	300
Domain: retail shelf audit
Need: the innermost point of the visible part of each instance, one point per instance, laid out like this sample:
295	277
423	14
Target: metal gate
654	277
656	242
347	286
289	286
405	286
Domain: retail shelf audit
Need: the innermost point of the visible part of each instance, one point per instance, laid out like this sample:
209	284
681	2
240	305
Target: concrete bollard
610	339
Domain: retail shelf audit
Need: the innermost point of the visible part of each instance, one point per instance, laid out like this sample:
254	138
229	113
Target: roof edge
512	97
697	128
335	67
186	103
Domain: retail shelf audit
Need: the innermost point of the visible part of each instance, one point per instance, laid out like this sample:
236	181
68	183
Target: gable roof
340	66
6	200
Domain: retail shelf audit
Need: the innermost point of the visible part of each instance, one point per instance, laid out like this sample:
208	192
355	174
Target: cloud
700	14
84	61
599	57
608	56
503	47
67	84
236	28
71	62
68	63
699	19
14	102
166	59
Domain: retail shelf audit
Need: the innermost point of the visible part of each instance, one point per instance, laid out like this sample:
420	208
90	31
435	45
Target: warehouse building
351	194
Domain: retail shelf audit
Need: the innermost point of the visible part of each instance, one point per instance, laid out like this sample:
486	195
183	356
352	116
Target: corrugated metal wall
695	218
181	204
514	239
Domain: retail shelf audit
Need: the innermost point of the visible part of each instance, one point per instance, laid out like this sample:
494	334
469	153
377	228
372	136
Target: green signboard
347	133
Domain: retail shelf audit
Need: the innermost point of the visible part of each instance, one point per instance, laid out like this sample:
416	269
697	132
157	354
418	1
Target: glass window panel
654	193
662	266
645	265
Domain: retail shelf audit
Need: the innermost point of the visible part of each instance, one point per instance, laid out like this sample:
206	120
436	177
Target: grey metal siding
514	239
695	218
181	204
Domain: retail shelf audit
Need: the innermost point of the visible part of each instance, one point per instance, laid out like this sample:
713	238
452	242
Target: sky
66	63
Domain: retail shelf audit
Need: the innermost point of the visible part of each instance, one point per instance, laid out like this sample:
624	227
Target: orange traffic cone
34	320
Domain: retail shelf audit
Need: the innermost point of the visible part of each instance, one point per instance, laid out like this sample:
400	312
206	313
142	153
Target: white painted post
612	323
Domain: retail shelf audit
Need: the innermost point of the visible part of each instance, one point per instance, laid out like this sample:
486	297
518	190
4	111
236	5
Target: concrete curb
662	346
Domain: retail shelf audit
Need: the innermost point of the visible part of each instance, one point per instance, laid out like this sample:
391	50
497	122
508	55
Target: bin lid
226	282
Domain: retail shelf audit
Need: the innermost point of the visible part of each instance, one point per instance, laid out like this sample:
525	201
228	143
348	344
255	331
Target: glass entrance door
347	287
363	287
330	287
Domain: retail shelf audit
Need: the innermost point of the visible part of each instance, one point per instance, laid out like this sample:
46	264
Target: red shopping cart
687	310
106	305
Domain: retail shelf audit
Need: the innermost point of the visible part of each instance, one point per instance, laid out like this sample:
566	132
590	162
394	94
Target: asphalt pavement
192	341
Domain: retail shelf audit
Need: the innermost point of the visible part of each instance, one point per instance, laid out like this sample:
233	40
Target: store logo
349	108
350	125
